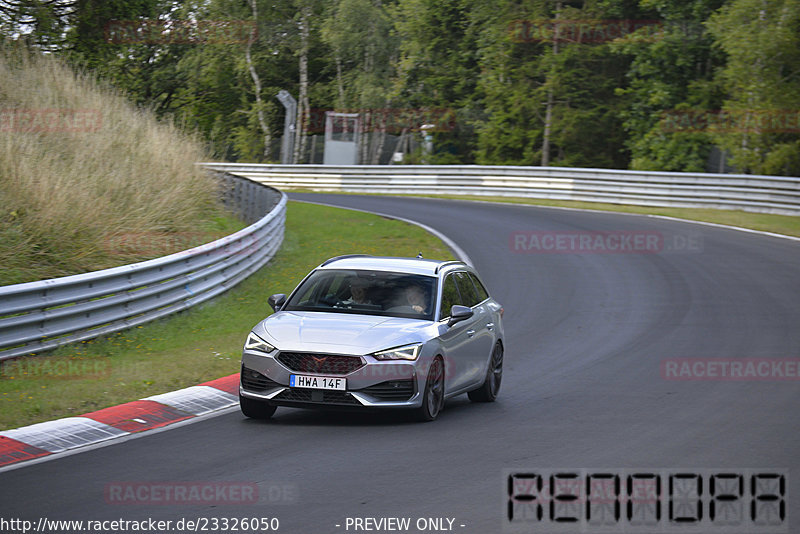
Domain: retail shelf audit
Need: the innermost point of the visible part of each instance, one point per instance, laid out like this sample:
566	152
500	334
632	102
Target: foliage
762	78
515	90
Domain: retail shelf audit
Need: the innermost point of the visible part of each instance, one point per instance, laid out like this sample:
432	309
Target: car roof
422	266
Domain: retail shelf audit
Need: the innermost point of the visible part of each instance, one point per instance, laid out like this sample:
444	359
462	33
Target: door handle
470	333
490	326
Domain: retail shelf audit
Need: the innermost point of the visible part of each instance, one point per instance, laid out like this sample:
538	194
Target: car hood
340	332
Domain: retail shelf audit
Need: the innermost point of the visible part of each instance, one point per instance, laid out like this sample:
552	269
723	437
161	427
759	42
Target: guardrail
38	316
763	194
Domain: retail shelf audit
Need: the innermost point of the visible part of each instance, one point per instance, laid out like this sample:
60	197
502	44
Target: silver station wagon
374	332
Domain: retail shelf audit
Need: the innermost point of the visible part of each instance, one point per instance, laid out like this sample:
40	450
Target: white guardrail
763	194
41	315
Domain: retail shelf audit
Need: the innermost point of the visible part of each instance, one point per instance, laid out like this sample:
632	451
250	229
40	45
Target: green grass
202	343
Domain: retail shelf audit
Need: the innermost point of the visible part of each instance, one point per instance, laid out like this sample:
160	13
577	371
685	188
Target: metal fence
41	315
763	194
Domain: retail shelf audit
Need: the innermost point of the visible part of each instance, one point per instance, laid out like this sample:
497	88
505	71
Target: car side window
469	297
450	296
481	290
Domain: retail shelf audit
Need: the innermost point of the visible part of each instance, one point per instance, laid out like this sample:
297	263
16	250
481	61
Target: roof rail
446	263
337	258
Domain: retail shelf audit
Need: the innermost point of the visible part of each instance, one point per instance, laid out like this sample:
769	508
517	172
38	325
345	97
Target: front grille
318	396
329	364
255	381
391	390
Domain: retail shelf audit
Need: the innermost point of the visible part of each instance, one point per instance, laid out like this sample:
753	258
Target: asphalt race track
590	337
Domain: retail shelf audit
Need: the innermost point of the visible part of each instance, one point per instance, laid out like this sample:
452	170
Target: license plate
317	382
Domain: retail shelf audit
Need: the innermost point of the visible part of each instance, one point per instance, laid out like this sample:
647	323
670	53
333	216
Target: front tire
256	409
433	399
494	375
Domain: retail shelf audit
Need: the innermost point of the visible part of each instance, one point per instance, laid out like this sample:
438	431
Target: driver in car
358	292
417	298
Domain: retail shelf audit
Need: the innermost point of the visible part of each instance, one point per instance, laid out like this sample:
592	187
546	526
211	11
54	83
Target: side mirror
459	313
277	301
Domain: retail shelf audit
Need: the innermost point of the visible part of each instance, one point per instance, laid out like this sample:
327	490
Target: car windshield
366	292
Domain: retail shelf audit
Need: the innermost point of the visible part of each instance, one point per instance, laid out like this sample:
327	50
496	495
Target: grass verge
200	344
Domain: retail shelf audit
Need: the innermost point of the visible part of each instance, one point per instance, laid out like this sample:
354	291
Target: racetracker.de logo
173	493
50	120
606	242
152	244
571	242
584	31
389	120
166	32
731	369
55	368
731	121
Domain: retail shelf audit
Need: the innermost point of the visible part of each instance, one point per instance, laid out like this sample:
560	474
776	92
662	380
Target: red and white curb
51	437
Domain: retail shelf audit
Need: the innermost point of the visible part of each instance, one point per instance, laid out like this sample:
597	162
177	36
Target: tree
257	82
42	22
127	43
550	76
438	69
360	34
761	79
671	77
303	106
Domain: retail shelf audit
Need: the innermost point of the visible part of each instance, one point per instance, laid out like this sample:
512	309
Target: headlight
256	343
407	352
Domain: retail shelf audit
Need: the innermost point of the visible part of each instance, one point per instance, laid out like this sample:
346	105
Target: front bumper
384	384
